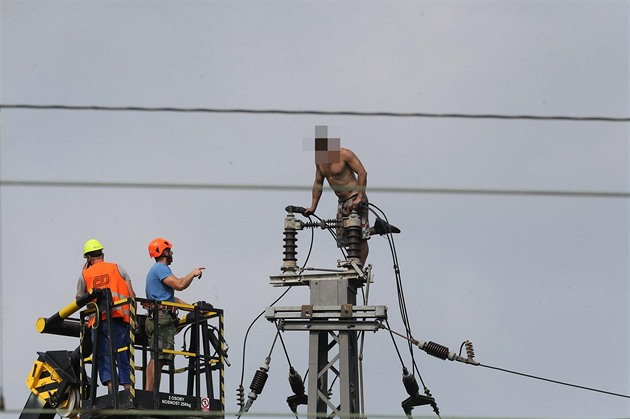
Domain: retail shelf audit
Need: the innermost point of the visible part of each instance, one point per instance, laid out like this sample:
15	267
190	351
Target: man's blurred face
327	150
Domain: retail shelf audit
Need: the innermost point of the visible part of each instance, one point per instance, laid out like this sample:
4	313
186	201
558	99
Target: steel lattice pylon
333	321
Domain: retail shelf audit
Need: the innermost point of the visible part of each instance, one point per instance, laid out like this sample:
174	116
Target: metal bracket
307	311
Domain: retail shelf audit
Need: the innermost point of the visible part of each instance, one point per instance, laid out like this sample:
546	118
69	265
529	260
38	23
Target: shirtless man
348	179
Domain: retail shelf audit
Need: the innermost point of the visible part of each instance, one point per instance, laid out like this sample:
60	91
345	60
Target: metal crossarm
340	312
342	317
290	279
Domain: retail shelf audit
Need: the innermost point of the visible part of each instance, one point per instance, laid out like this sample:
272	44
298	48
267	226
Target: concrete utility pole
332	319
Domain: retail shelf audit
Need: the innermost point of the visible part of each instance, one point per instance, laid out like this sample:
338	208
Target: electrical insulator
258	383
434	405
240	397
411	385
353	235
413	389
470	352
297	385
290	243
442	352
295	380
436	350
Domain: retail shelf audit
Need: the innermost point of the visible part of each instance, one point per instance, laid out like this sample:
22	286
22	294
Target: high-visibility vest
106	275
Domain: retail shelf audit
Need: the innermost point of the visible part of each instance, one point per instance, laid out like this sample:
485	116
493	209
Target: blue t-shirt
155	288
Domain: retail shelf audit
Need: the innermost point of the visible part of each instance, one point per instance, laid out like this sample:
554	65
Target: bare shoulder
348	156
346	153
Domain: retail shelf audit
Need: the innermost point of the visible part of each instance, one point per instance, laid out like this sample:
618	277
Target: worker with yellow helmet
100	274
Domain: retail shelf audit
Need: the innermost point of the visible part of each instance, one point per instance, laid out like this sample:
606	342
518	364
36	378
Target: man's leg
365	250
151	380
365	233
166	340
104	370
149	370
122	339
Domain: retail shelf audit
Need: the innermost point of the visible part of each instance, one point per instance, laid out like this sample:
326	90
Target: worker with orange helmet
100	274
161	286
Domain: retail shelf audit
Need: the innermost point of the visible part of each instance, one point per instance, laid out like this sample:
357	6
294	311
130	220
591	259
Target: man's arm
318	187
81	287
180	284
355	164
123	272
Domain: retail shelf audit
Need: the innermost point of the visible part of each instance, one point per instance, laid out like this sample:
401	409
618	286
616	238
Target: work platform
62	382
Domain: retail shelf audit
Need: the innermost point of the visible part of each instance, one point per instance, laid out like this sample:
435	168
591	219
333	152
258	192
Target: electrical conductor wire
534	377
249	328
283	347
400	292
314	112
555	381
390	189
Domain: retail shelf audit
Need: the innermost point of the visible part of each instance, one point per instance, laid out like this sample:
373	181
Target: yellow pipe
170	351
57	318
40	324
68	310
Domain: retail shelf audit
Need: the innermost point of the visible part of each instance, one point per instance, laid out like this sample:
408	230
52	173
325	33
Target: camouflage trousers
166	333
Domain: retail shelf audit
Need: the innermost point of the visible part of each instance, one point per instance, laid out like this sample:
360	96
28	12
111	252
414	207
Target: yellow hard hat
92	245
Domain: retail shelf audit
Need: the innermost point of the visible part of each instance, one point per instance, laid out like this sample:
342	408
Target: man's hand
356	202
309	211
198	272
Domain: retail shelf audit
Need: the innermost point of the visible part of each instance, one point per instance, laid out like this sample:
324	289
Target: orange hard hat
157	246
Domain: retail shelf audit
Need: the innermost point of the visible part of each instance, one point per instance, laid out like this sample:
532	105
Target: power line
556	381
252	187
316	112
442	352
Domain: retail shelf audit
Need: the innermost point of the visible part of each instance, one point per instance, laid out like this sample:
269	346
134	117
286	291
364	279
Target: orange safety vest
106	275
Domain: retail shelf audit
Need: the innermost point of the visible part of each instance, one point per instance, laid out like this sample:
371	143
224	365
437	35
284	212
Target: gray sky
538	283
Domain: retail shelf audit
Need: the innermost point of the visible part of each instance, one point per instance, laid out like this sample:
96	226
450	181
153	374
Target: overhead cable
315	112
442	352
254	187
556	381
